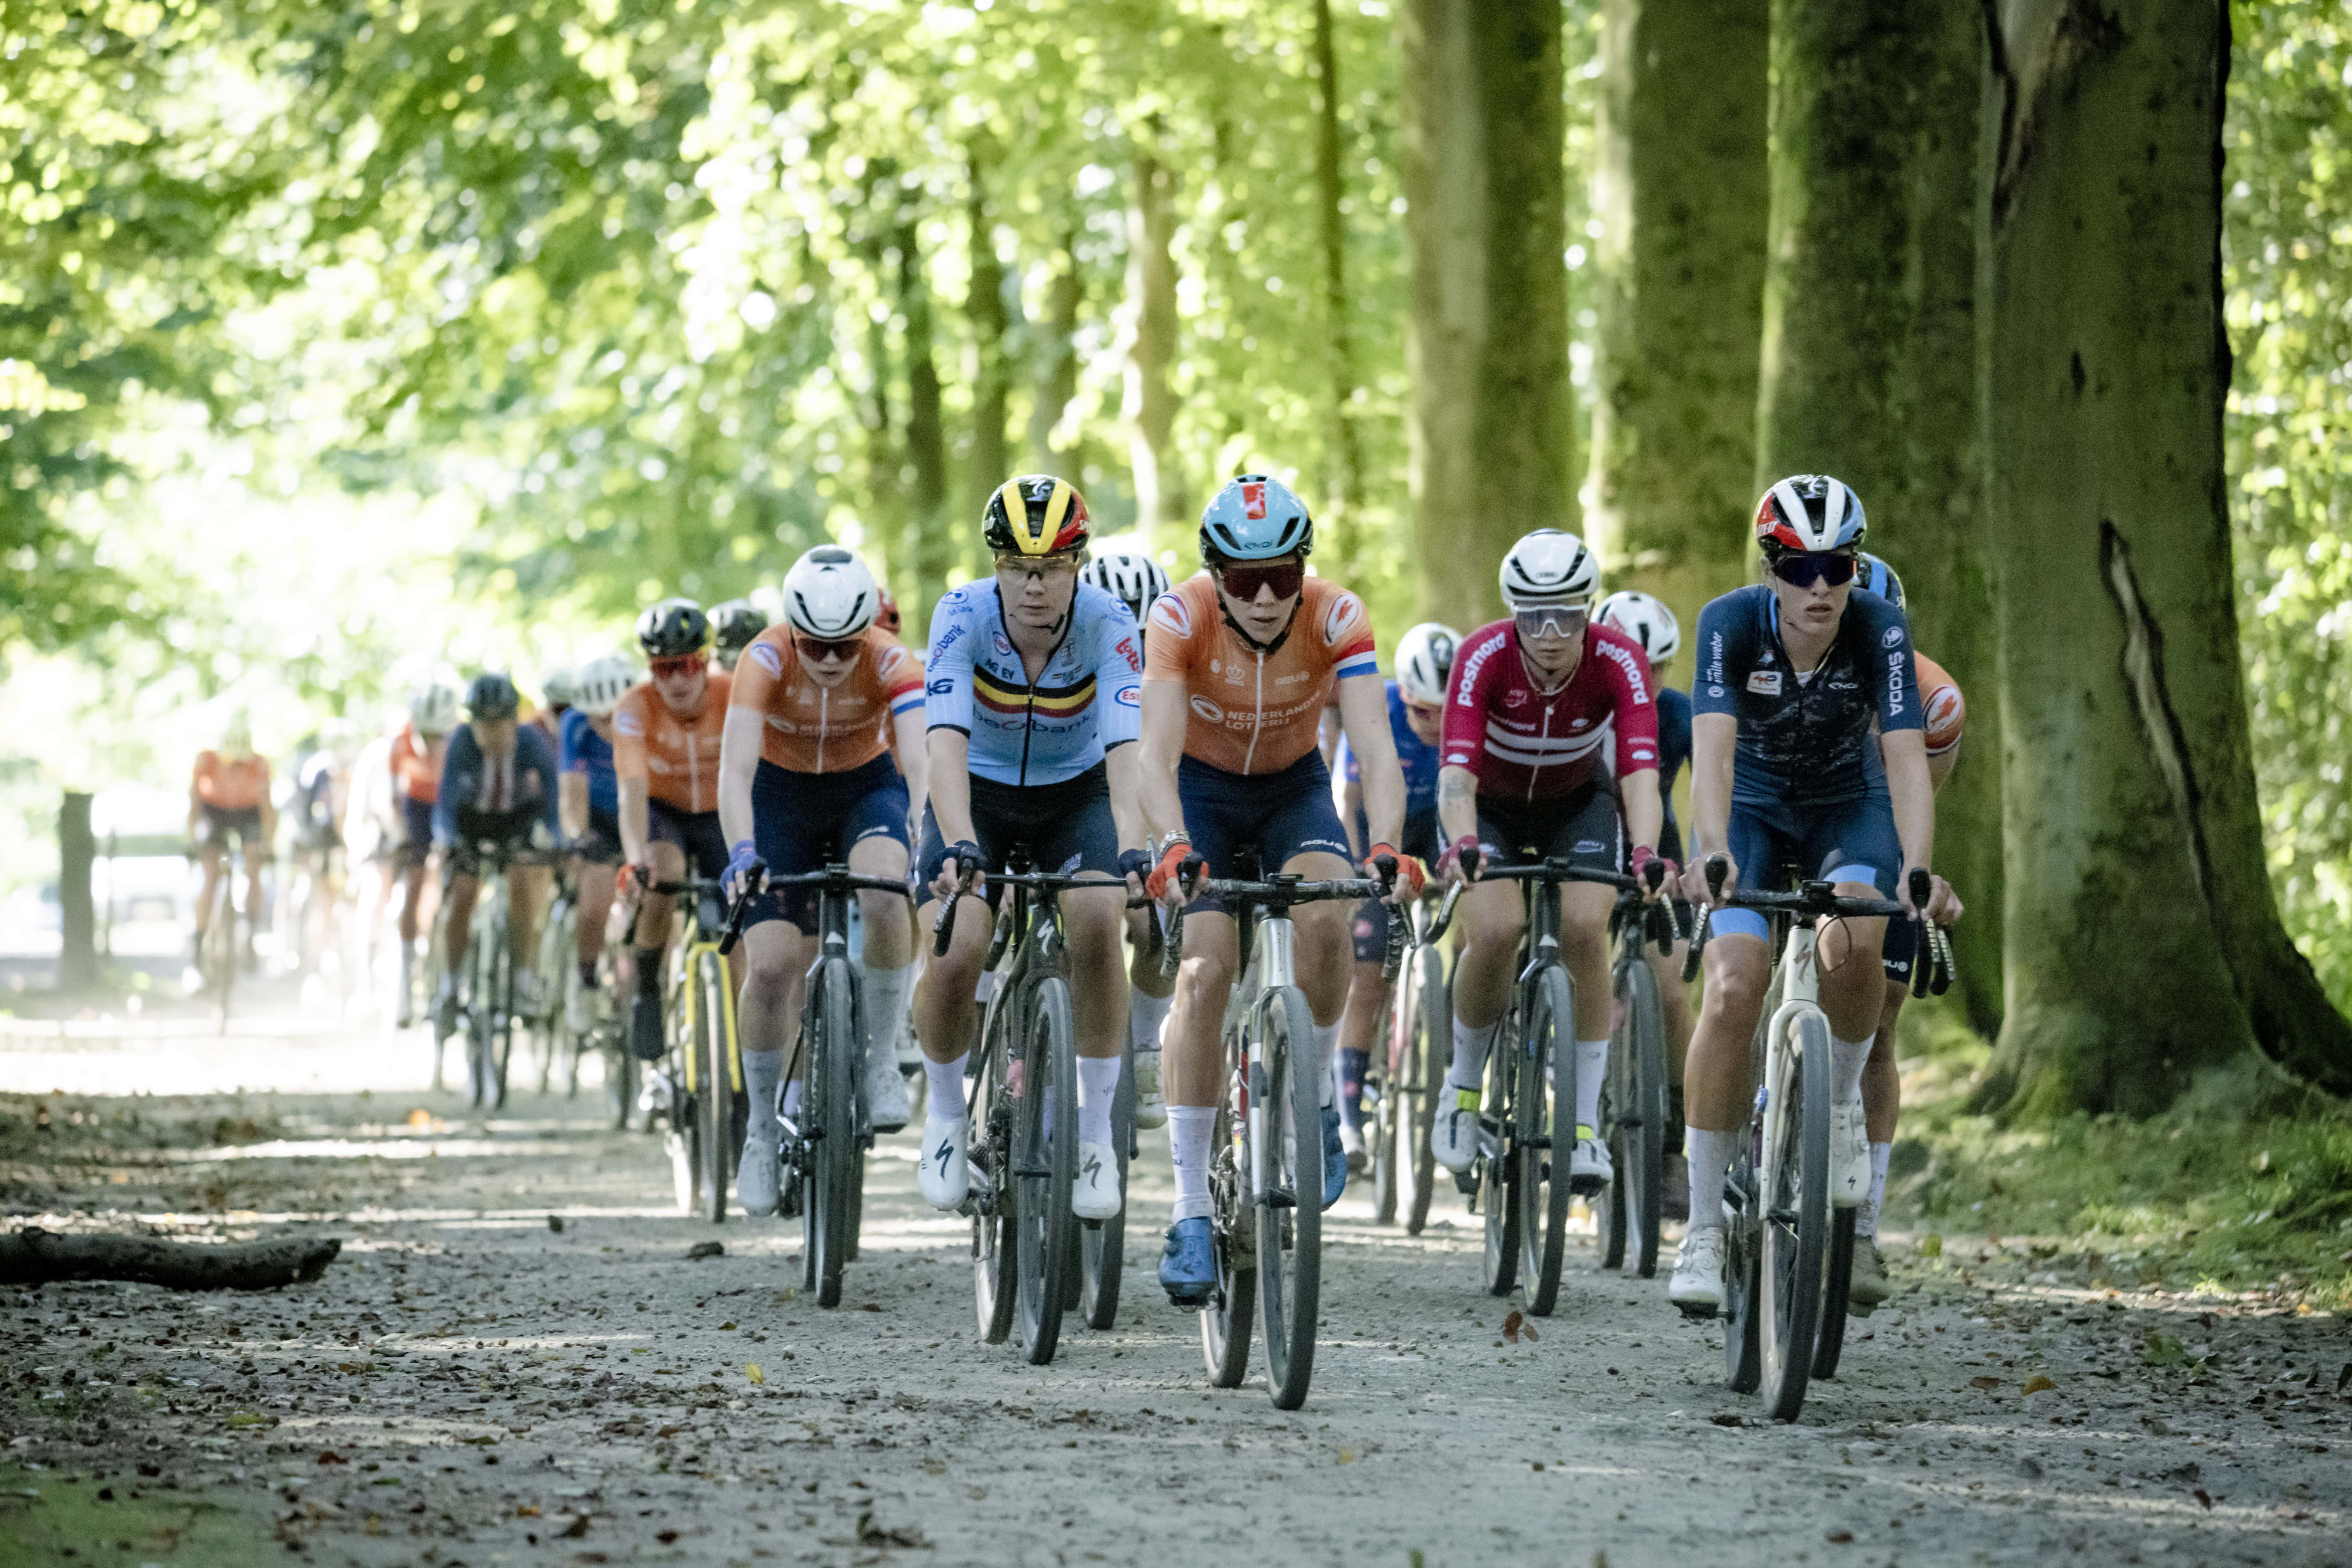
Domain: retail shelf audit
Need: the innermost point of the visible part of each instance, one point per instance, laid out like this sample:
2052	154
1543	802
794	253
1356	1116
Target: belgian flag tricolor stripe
1050	702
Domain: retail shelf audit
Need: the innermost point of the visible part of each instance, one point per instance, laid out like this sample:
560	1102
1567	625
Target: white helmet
559	686
433	707
1424	656
1127	575
1550	567
1645	618
829	593
601	683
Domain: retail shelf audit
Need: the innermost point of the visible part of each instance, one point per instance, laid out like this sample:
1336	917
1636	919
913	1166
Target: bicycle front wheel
994	1238
1829	1343
1045	1169
1794	1252
1287	1132
1498	1108
1546	1120
830	1106
1104	1242
1634	1121
714	1100
1427	1049
1225	1321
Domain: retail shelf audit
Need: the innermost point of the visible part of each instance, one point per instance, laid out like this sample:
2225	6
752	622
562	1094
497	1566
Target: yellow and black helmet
1035	514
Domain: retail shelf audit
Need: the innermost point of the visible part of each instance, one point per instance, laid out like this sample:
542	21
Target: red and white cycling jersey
1527	746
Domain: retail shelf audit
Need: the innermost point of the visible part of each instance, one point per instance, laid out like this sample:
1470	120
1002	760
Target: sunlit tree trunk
1680	196
928	547
1148	407
2143	941
1492	434
1345	484
1868	367
992	377
1054	360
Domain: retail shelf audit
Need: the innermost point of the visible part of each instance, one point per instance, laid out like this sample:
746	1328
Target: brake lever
943	926
1399	939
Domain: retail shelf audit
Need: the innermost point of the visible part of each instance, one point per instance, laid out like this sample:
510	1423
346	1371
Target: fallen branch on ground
34	1256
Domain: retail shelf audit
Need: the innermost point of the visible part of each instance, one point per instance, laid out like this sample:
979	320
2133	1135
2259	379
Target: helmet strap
1261	649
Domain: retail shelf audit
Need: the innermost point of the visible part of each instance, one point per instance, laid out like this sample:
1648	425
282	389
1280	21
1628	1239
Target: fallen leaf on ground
577	1527
1511	1327
329	1457
1347	1456
555	1223
702	1249
2203	1498
527	1510
752	1370
1841	1537
2038	1384
1984	1383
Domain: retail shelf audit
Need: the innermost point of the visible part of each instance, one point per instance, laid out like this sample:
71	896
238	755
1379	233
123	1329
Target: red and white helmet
1809	512
1550	567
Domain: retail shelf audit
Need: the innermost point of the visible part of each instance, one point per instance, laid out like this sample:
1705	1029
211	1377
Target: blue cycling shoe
1334	1157
1188	1268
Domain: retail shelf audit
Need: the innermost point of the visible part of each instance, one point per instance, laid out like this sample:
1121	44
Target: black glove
1136	863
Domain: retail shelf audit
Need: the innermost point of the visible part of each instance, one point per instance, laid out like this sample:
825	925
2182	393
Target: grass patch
61	1517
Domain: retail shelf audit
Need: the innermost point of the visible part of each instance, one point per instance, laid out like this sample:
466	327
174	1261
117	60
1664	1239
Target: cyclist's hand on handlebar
1694	886
1944	905
1179	866
1134	865
628	881
955	871
1663	884
743	864
1404	875
1461	860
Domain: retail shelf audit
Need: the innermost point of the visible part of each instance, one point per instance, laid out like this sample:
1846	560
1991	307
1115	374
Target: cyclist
1533	701
1416	696
556	687
1241	661
1646	619
419	751
1135	579
733	626
588	803
1792	673
498	786
1034	693
228	797
803	778
665	742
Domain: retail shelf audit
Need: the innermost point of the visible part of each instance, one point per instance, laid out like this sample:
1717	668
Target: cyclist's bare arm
947	753
572	803
1913	794
1457	803
634	817
1646	813
1164	710
1939	767
739	759
1123	769
1364	714
914	757
1713	737
1350	800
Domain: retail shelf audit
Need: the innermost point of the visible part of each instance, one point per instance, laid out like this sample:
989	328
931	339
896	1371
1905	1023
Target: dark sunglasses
1801	569
1244	581
820	649
679	665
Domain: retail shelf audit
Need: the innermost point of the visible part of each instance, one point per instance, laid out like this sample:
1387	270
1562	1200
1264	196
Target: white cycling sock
792	1094
1188	1130
1145	1015
1591	1066
1847	1058
763	1070
1866	1219
1098	1087
1709	1156
1327	1080
886	1010
946	1080
1469	1066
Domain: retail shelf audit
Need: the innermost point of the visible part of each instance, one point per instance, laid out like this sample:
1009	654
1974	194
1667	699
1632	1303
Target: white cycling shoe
756	1179
943	1174
886	1093
1151	1102
1454	1131
1590	1168
1697	1285
1849	1155
1094	1195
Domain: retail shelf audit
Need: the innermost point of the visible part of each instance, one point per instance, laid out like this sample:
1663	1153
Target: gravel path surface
515	1361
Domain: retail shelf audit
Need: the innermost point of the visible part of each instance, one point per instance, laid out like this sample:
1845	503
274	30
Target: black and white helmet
1645	618
1809	513
601	683
829	593
1425	657
1550	567
1127	575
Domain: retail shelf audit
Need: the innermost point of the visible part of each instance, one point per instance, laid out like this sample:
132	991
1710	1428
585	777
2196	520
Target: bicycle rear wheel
1045	1168
1430	1039
714	1099
1795	1214
501	998
831	1105
1634	1117
1289	1136
1498	1107
1225	1321
1104	1242
994	1237
1546	1135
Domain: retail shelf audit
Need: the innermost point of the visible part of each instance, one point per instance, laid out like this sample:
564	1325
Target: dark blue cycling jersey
1417	757
524	784
1674	750
585	751
1805	739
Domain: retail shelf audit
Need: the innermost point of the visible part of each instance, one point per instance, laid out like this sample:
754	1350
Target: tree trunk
2143	941
1681	197
928	546
1346	482
1055	361
34	1256
1148	407
992	377
77	913
1868	367
1488	342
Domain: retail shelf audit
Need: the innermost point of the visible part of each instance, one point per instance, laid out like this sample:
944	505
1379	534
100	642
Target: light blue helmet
1255	518
1879	578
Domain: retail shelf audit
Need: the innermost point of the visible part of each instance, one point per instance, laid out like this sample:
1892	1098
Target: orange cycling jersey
826	729
416	764
678	757
1256	712
238	786
1947	711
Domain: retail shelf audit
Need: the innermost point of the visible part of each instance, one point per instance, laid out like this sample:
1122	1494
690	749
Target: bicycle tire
476	1020
1045	1170
620	1082
1104	1242
1548	1070
1793	1253
501	1008
1381	1141
833	1084
714	1096
993	1236
1290	1240
1631	1213
1829	1343
1226	1322
1432	1021
1496	1204
219	961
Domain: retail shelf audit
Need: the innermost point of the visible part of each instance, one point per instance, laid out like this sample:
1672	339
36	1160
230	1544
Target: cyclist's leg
210	858
1360	1021
596	904
529	892
873	826
461	885
1304	836
1590	836
776	956
648	942
1854	846
1489	919
1149	993
1192	1061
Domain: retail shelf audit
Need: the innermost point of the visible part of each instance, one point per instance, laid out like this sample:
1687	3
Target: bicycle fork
1275	966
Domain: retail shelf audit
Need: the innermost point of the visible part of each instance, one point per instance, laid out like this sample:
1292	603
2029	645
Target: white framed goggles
1560	619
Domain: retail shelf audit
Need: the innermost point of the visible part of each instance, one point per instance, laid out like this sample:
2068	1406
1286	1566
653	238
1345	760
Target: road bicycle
487	1014
1526	1121
701	1074
220	954
1032	1258
1788	1252
1265	1175
1404	1080
824	1146
1628	1213
559	965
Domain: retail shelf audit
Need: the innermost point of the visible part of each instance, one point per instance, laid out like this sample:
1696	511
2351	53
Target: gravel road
515	1361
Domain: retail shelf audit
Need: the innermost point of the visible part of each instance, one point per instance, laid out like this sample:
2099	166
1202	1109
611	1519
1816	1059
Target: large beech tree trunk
1346	481
1680	196
991	378
1492	434
1149	406
1054	359
1868	367
928	547
2143	941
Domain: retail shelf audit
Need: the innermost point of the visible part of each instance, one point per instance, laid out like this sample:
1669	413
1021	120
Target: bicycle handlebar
738	908
1931	960
1551	870
943	925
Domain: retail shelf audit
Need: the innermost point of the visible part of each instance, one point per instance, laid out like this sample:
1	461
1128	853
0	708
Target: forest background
340	339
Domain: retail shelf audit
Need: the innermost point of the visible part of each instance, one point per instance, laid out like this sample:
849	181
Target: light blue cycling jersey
1087	698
